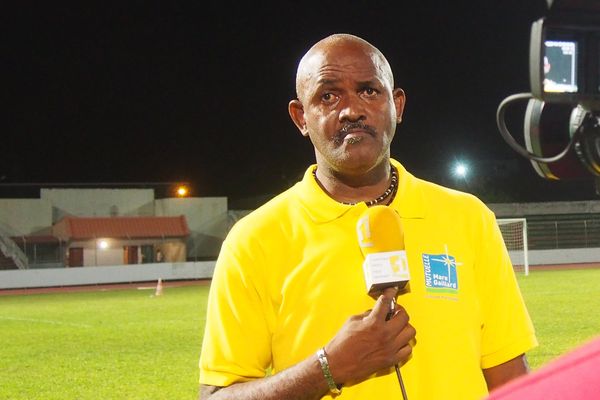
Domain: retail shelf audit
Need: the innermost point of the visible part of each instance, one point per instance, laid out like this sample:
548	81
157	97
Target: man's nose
352	109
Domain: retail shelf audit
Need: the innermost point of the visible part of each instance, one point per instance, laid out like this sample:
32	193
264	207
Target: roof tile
120	227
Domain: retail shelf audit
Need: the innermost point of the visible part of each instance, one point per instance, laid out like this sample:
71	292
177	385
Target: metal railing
565	232
10	250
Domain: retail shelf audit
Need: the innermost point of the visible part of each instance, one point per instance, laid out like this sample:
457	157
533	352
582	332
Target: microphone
381	240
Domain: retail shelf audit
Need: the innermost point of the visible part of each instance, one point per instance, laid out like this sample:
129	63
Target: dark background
145	92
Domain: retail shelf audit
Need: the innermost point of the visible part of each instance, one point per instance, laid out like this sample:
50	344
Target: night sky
139	91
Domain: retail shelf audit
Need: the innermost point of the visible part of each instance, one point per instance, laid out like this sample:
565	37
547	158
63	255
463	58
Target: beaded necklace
390	190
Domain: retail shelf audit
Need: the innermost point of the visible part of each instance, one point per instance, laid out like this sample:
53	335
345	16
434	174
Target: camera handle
500	121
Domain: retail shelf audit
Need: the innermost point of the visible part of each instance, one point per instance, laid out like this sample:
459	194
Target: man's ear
296	110
399	102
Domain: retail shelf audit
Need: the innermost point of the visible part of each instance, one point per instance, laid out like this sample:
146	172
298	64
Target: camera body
564	66
564	57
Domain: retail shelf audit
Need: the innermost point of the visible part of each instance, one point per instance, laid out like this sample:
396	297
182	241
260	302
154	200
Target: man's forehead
327	61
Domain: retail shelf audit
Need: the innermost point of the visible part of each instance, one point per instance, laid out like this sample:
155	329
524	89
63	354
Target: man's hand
367	343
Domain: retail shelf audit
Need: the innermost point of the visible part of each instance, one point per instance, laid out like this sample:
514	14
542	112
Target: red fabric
573	376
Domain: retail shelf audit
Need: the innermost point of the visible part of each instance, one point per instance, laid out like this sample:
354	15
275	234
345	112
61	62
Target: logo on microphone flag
385	270
440	273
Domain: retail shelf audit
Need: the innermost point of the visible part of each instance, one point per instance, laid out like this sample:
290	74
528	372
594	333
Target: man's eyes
328	97
369	91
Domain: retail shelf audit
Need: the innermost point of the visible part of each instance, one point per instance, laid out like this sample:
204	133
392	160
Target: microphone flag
381	240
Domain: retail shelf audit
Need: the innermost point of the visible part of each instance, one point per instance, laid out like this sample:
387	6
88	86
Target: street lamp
182	191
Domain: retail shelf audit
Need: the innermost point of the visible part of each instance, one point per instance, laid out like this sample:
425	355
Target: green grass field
120	344
564	308
127	344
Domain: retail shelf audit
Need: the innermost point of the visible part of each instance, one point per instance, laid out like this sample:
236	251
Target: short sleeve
507	330
237	341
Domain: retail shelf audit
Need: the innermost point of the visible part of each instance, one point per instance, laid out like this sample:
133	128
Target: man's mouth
353	139
353	133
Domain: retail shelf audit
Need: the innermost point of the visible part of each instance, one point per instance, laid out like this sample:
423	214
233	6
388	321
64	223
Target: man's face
349	109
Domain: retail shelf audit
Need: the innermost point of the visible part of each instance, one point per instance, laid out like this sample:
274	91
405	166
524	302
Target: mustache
341	134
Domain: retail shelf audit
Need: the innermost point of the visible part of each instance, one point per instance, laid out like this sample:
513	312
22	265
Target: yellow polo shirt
290	274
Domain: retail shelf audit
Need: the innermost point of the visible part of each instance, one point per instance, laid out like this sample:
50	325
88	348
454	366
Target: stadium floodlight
460	170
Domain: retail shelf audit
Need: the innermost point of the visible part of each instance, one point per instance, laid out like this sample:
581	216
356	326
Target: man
286	314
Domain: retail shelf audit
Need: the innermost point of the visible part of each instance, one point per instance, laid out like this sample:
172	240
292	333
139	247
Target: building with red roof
122	240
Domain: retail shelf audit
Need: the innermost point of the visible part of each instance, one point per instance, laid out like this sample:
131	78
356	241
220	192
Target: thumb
390	293
383	305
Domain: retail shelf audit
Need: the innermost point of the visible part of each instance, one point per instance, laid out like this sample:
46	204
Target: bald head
313	59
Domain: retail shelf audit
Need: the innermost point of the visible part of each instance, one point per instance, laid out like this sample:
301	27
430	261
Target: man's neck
348	188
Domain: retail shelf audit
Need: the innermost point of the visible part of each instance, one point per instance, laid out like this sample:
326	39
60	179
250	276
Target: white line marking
45	321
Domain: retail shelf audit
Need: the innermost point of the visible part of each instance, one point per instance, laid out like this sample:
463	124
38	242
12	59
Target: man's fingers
404	343
403	354
405	337
390	292
400	316
384	302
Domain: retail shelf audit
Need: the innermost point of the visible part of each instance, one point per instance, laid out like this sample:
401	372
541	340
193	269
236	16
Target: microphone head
381	240
379	230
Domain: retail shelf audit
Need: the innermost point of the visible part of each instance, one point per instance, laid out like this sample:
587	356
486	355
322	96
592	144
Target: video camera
562	120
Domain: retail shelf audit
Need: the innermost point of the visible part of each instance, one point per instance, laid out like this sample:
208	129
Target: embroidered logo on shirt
440	273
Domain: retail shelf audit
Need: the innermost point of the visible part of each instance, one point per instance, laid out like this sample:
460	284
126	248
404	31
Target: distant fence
563	231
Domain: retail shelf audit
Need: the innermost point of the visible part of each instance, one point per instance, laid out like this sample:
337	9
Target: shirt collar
322	209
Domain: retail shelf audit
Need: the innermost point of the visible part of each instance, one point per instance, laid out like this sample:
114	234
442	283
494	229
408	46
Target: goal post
514	233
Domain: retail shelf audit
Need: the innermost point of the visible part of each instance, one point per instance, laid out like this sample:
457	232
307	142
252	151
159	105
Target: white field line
45	321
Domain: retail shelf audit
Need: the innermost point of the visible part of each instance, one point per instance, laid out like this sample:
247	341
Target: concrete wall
207	219
503	210
564	256
14	279
98	257
557	256
173	250
99	202
25	216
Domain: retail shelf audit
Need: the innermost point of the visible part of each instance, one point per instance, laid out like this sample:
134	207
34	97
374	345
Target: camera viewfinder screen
560	66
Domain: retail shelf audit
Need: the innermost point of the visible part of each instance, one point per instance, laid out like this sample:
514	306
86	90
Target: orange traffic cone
159	288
